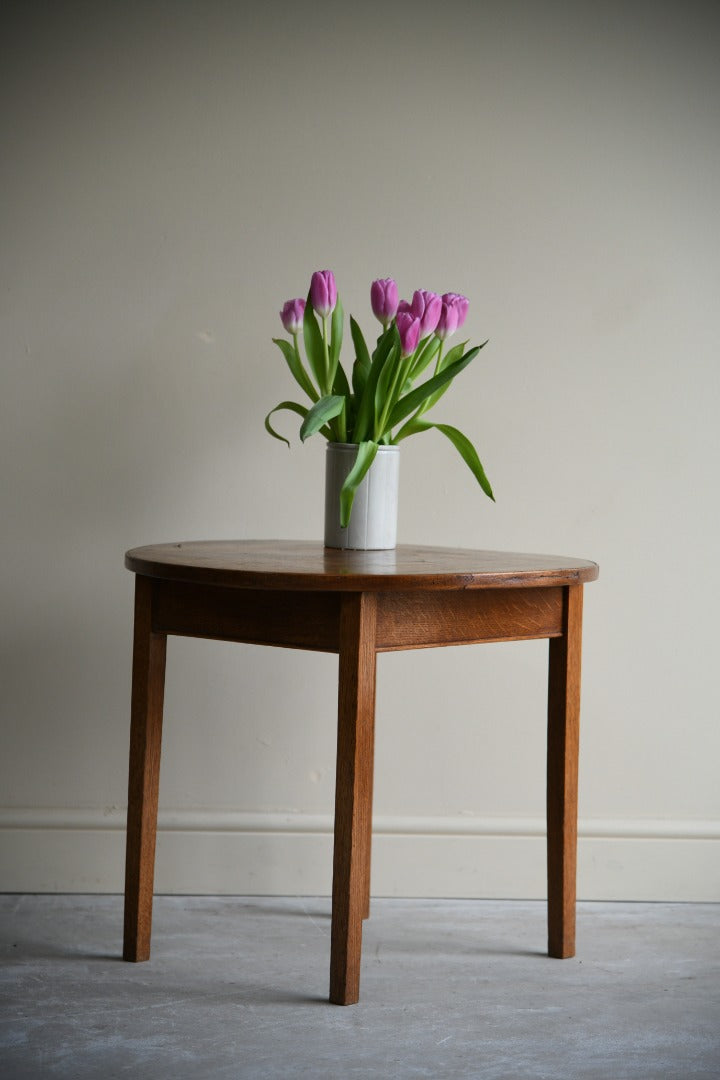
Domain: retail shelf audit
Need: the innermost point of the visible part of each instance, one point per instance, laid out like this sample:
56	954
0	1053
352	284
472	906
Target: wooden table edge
140	561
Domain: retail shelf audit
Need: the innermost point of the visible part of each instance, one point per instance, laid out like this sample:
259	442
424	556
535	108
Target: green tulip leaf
364	459
461	443
387	343
327	408
342	389
426	354
359	379
289	406
386	387
340	383
362	364
296	367
454	354
420	394
336	336
362	356
312	337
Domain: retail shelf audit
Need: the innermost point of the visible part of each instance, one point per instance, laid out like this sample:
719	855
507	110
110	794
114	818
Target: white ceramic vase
373	521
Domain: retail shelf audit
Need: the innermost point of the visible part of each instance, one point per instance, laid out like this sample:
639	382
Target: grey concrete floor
236	988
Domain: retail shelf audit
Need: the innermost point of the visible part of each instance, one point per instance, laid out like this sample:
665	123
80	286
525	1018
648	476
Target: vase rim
353	446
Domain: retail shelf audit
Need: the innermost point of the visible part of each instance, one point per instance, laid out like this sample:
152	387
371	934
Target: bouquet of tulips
380	404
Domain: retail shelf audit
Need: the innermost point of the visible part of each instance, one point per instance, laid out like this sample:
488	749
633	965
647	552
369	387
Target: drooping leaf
364	459
290	406
327	408
296	367
461	443
469	455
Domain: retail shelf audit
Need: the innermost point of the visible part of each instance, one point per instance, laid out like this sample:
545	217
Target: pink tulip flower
460	302
404	306
384	299
292	315
323	292
426	306
409	329
453	314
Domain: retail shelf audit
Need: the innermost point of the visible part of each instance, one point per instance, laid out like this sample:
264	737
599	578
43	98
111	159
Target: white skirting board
253	853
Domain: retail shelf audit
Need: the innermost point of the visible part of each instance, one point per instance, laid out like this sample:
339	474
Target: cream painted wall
171	172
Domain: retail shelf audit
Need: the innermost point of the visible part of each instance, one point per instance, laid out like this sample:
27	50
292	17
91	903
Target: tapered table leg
562	775
353	793
148	683
368	766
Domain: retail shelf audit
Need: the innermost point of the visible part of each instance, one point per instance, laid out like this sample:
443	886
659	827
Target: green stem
419	354
393	393
426	404
327	389
338	426
300	363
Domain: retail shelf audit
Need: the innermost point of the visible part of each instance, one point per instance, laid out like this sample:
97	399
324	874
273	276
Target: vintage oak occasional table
355	604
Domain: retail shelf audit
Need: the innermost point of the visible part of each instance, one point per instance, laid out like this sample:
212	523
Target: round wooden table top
308	566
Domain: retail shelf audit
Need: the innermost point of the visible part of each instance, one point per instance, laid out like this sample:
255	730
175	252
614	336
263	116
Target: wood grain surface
308	566
353	794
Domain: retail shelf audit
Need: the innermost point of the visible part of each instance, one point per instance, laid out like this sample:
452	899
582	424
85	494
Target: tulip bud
323	292
409	329
384	299
292	315
426	307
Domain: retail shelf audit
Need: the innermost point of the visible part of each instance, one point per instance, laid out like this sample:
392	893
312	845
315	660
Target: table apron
295	620
426	620
311	620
